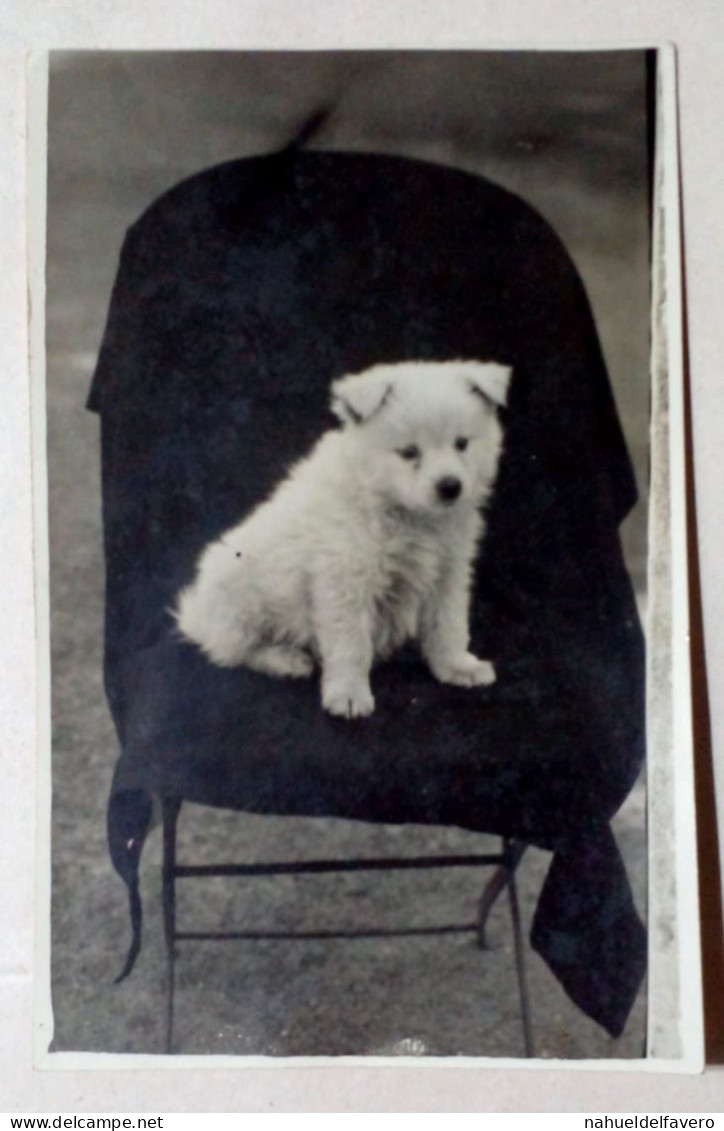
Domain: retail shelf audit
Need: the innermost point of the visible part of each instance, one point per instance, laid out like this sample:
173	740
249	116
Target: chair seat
529	757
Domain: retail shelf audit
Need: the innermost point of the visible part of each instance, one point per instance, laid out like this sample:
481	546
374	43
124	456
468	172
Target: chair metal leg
171	807
503	876
520	966
513	850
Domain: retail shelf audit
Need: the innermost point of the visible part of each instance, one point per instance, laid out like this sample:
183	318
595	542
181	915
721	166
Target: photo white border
675	1024
697	30
675	1006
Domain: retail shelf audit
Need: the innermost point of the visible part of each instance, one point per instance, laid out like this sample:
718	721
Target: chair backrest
246	290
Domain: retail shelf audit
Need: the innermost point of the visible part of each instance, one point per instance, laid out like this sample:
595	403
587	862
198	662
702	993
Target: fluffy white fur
368	542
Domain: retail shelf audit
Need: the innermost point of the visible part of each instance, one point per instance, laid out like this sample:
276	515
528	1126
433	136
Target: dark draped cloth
241	294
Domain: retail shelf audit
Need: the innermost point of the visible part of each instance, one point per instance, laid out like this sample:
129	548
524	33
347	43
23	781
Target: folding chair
241	294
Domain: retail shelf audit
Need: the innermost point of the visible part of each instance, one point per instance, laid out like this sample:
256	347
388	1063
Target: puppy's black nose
449	488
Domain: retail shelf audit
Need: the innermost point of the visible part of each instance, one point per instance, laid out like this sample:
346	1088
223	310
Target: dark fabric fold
240	296
587	929
128	822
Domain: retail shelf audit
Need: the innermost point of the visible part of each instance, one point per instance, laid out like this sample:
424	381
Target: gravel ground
110	151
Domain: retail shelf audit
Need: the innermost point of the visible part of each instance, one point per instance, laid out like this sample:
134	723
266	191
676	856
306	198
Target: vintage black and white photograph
348	391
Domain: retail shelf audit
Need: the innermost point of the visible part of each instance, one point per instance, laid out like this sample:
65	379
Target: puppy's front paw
465	671
348	701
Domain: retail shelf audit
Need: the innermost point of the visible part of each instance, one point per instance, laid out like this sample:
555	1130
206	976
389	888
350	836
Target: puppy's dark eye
461	443
410	452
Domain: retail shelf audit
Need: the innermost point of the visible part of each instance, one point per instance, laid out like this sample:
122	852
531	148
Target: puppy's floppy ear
489	380
358	397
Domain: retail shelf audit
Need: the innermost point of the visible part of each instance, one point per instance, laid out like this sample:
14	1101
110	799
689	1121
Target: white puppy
368	542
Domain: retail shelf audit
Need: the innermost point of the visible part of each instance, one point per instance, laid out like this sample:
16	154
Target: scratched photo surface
569	135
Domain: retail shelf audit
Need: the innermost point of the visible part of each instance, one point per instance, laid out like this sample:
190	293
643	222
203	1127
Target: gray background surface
568	134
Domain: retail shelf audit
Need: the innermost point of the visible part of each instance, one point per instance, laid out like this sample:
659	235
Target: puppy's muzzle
449	489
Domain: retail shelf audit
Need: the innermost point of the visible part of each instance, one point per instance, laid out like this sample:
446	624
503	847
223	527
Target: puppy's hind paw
348	702
296	665
466	671
282	660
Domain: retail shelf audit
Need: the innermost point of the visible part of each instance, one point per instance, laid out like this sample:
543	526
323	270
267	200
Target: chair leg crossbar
505	862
